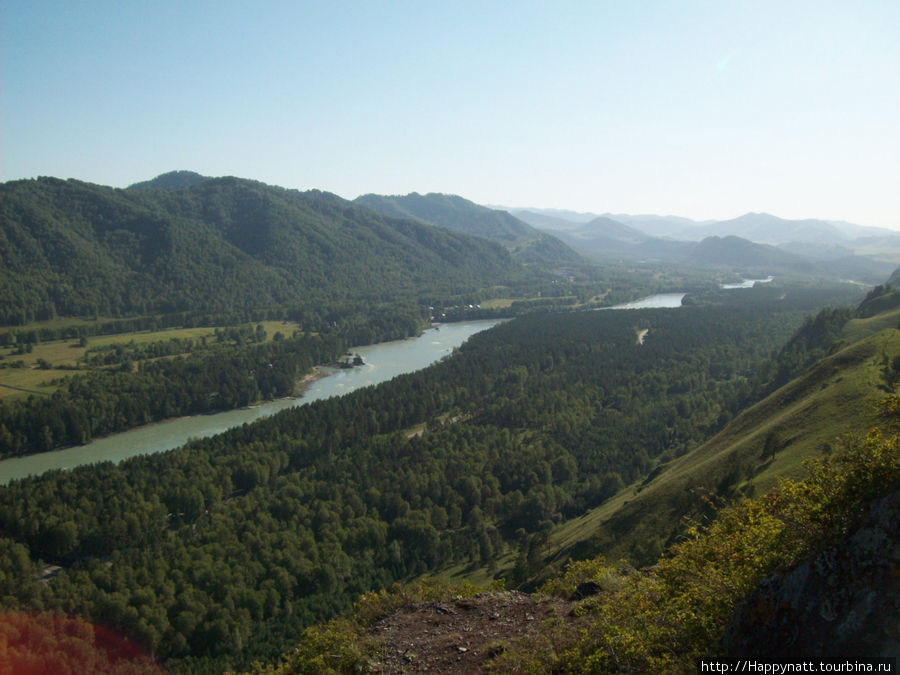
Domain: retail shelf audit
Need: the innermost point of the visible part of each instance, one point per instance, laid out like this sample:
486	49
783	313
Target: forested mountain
550	219
222	551
759	227
608	238
894	279
551	437
455	213
751	258
821	248
170	180
650	225
735	578
735	252
75	249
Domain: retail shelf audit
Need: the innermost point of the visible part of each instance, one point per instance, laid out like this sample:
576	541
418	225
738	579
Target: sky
705	109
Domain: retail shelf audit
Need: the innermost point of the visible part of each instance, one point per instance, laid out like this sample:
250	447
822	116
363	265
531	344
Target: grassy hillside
800	420
821	451
702	600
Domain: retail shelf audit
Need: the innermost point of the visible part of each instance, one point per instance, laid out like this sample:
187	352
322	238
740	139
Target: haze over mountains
808	246
762	227
558	435
183	241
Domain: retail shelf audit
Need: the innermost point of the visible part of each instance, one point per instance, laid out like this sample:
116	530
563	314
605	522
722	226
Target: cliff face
844	602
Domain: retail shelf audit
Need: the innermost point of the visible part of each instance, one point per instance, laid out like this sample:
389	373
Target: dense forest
524	242
82	260
76	249
130	385
729	592
222	551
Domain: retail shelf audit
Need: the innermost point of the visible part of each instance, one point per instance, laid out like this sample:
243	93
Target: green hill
526	243
802	419
735	252
169	181
70	248
223	552
812	556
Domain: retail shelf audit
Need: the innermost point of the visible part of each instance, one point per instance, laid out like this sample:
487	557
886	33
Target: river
658	301
382	362
747	283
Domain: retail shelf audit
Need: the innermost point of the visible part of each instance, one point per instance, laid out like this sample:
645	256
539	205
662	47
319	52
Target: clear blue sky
701	109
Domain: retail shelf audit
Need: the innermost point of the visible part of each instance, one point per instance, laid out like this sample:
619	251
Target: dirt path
27	391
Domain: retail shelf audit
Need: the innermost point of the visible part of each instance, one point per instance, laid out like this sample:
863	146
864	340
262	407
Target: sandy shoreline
305	382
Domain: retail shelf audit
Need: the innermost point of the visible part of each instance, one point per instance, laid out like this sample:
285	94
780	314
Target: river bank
381	362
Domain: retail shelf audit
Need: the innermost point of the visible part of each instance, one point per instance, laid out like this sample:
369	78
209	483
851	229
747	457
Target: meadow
43	367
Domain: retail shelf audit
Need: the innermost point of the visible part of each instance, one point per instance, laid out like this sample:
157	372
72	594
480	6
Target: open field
32	379
70	354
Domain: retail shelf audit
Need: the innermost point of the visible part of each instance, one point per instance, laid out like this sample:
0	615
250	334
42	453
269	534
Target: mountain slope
460	215
606	237
75	249
815	560
802	419
652	225
735	252
768	229
170	181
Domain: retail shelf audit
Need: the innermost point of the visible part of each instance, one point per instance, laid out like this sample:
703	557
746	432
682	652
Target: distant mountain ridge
765	228
759	227
732	251
823	248
453	212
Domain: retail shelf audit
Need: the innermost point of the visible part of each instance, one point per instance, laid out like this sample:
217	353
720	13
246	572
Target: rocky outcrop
843	603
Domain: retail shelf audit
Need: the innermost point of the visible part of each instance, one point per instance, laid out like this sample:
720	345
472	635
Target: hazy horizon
703	112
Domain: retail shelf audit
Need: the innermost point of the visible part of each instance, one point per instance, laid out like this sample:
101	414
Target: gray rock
842	603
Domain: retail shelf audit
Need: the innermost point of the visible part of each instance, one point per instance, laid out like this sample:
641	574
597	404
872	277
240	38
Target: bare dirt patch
460	636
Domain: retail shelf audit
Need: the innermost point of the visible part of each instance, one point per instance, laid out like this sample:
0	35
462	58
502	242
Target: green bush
661	621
